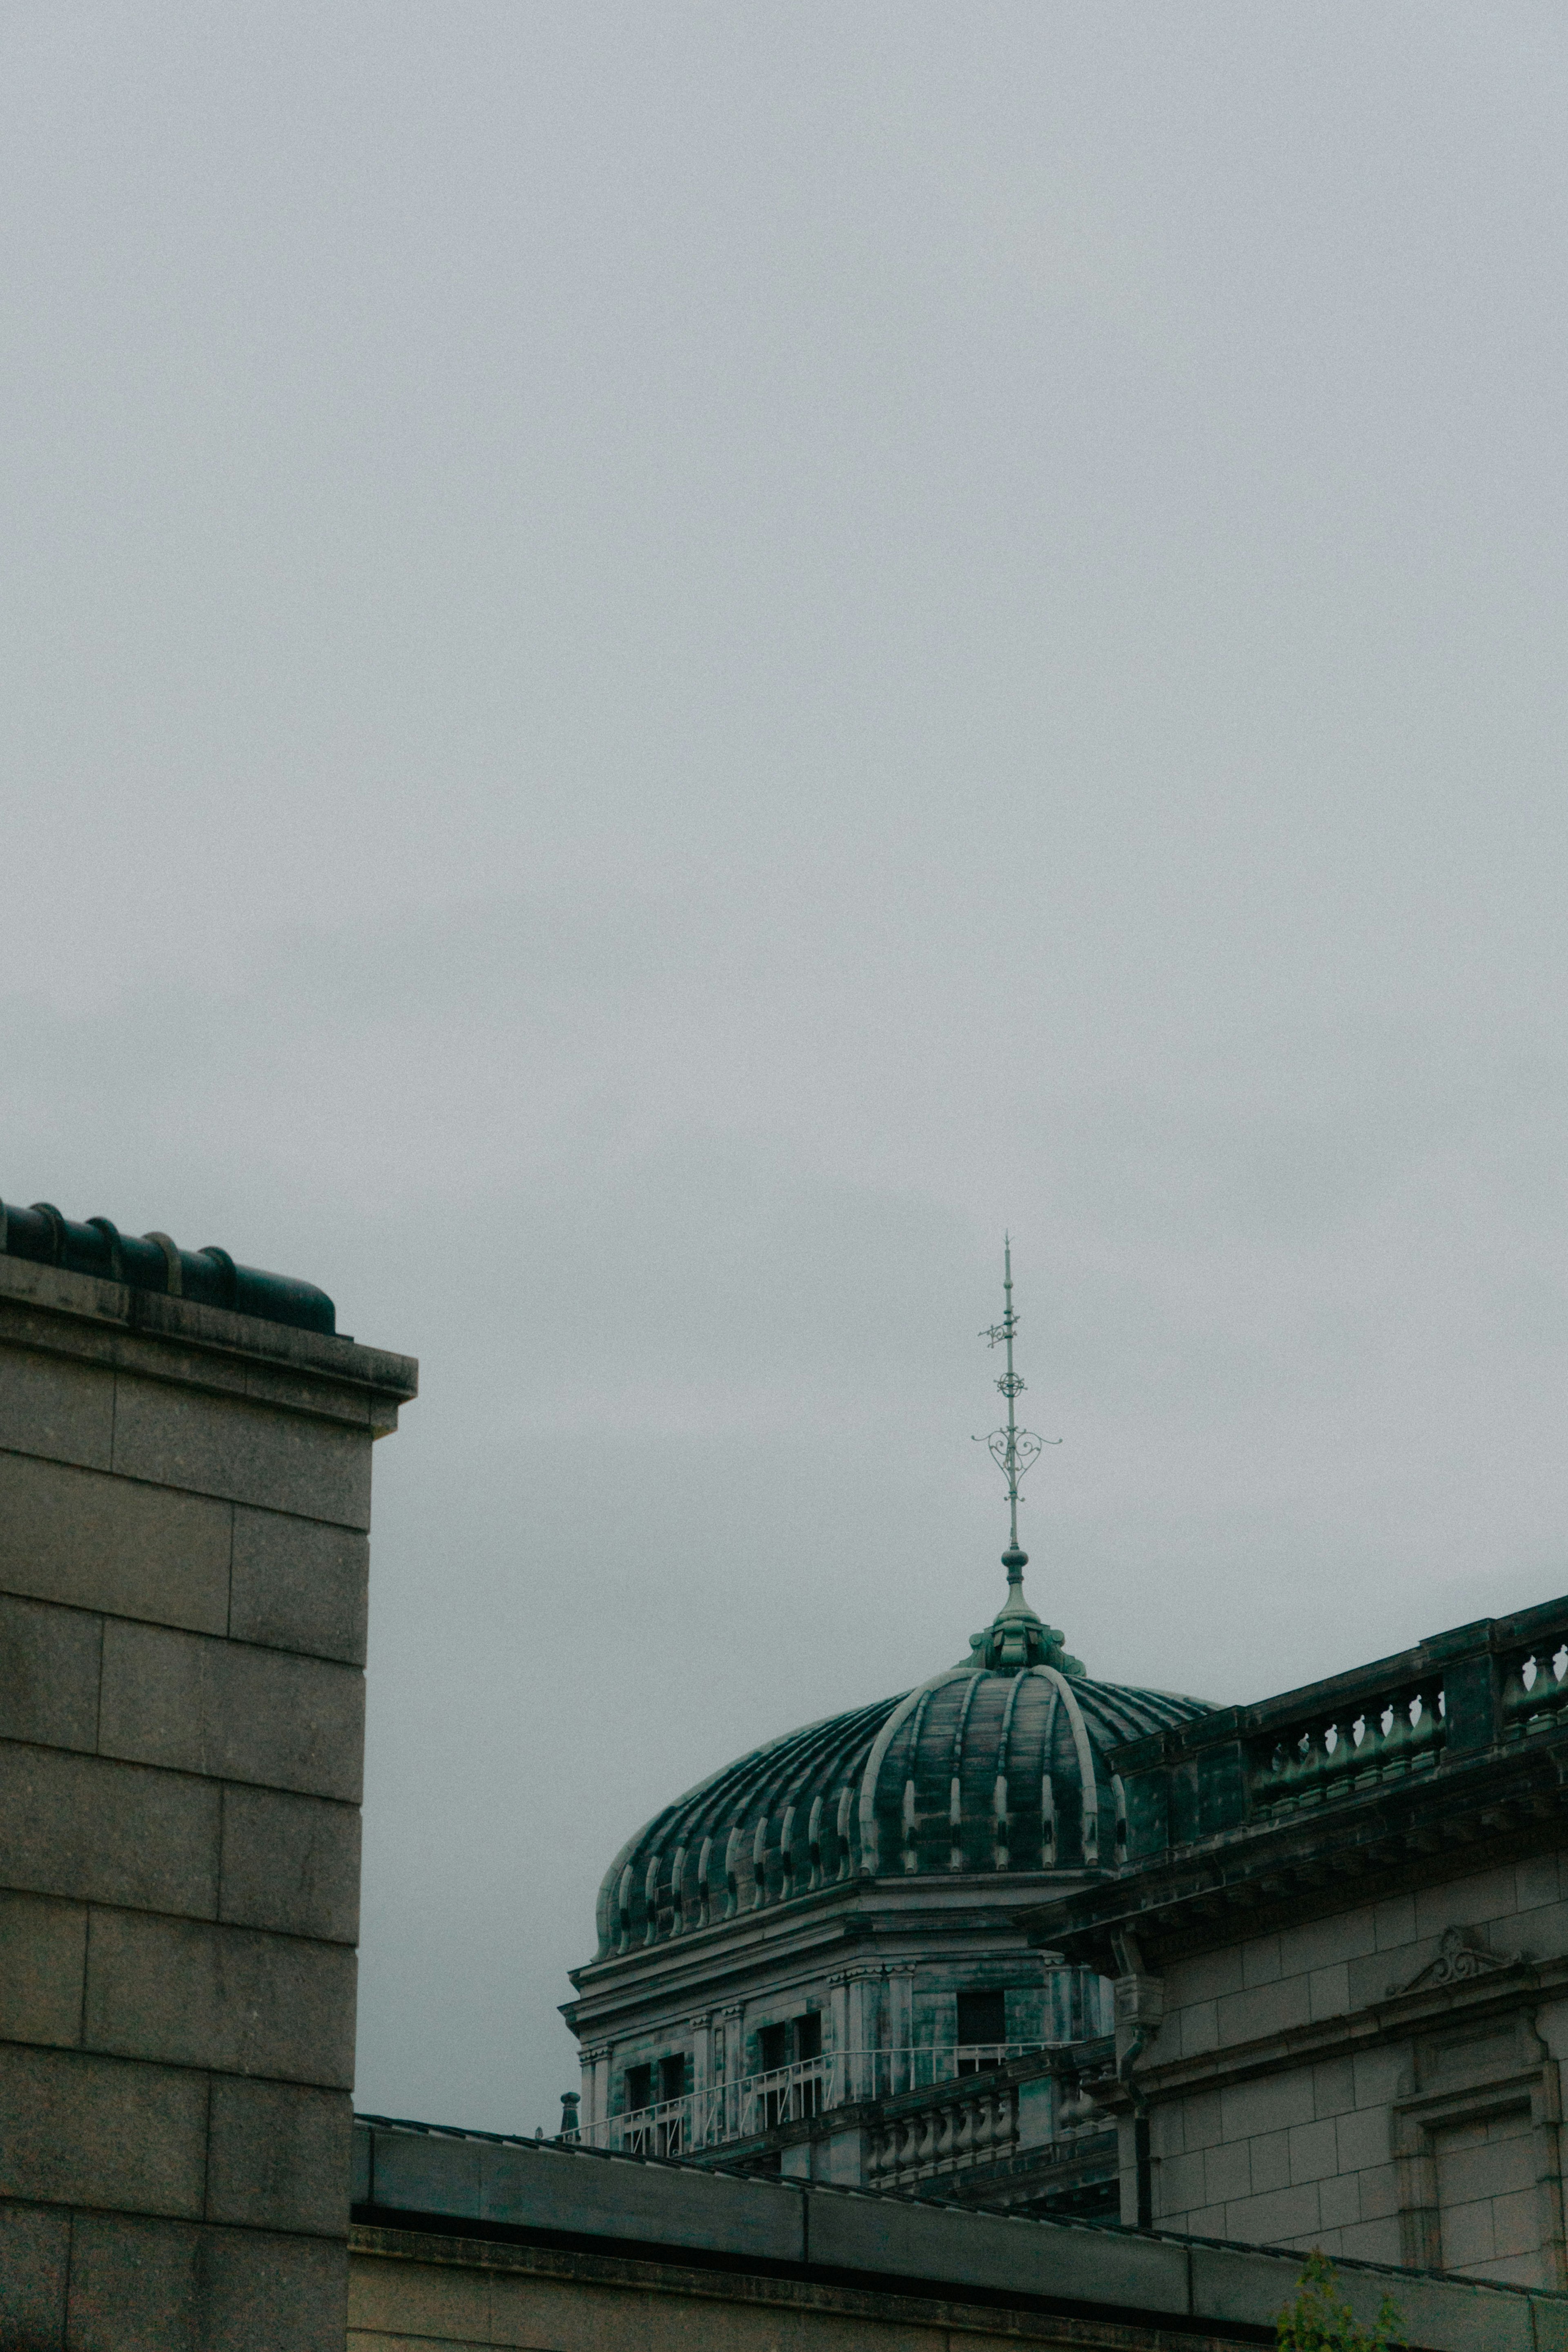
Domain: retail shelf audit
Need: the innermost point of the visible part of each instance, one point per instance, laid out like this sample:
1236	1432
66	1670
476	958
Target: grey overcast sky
663	663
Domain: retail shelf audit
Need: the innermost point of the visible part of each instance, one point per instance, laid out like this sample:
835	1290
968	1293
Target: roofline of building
416	2186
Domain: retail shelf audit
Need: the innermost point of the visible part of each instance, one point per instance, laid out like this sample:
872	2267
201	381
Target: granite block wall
1427	2138
184	1507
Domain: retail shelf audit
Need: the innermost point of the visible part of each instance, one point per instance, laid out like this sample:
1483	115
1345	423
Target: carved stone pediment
1463	1954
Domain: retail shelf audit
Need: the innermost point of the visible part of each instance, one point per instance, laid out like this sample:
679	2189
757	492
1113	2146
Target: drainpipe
1140	2006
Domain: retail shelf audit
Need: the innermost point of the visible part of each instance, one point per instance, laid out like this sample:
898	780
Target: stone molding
1462	1955
204	1348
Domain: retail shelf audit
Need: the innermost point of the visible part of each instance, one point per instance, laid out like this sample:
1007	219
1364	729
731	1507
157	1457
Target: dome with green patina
998	1764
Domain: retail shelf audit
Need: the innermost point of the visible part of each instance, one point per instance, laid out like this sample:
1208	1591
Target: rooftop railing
1495	1684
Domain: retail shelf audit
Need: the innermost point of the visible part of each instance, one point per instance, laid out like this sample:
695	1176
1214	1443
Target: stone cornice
862	1925
1469	1813
1514	1982
125	1329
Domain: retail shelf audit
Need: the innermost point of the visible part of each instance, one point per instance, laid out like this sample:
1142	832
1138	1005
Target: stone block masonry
184	1507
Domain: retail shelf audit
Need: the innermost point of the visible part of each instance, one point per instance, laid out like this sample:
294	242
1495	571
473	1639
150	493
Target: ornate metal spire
1014	1450
1016	1636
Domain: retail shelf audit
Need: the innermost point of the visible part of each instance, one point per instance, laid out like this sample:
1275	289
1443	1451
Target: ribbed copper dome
980	1770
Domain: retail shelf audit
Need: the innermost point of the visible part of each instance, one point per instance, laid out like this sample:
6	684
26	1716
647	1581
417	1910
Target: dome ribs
911	1811
1001	1811
1048	1833
724	1830
870	1823
798	1773
938	1778
955	1779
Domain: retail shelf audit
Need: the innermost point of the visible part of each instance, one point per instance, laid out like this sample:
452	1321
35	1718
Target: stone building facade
184	1501
1340	1947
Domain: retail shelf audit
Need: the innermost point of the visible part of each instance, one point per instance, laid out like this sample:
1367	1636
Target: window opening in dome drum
672	2078
790	2060
982	2020
639	2088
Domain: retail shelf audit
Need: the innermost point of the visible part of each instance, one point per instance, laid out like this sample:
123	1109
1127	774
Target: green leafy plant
1317	2321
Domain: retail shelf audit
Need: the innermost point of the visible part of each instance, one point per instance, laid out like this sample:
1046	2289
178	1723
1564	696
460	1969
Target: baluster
1374	1744
1300	1765
1338	1762
1398	1738
1424	1734
1269	1776
1363	1769
1516	1696
1308	1767
1550	1688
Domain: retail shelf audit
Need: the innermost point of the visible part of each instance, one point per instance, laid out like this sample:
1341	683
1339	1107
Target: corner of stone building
185	1513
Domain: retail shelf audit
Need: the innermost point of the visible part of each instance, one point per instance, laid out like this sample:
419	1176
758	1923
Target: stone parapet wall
184	1502
473	2240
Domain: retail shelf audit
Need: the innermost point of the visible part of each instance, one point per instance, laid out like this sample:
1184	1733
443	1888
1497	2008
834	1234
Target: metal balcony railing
740	2109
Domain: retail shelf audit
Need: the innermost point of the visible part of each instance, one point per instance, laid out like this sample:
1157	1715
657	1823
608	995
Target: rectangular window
672	2077
982	2017
808	2035
639	2087
773	2048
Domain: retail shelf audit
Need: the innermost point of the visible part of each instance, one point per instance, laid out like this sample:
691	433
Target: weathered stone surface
300	1584
273	2292
77	2129
1269	2161
1226	2173
1267	2009
196	1705
49	1406
135	2286
246	1452
278	2156
1361	2139
291	1863
43	1949
177	1711
1313	2152
398	2302
34	2265
1333	2087
49	1662
165	2286
1180	2184
220	1997
107	1833
105	1543
1273	2103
